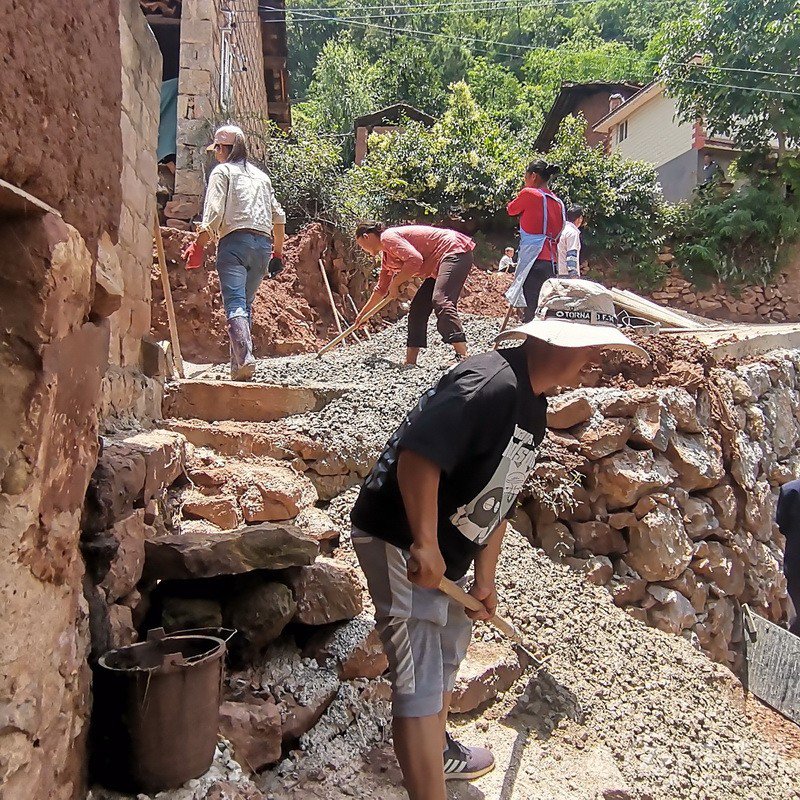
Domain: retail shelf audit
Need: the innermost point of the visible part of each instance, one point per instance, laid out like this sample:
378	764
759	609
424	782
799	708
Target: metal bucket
156	712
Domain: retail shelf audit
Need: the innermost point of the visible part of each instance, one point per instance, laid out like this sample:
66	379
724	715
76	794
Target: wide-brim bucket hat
575	313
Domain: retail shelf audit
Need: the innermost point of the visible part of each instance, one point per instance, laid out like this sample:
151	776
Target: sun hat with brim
575	313
225	135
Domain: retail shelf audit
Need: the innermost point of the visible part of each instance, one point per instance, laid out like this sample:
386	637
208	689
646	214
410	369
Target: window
622	131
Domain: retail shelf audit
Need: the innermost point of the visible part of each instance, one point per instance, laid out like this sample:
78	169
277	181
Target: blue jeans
242	259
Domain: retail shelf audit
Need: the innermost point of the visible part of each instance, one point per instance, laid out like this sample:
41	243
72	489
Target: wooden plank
646	309
772	656
173	324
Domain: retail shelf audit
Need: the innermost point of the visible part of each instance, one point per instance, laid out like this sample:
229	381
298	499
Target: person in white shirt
242	213
507	261
569	244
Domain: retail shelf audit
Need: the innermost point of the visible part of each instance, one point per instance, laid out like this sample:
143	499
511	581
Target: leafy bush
737	236
303	166
466	166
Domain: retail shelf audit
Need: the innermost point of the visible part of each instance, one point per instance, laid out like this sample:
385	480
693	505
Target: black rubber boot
243	362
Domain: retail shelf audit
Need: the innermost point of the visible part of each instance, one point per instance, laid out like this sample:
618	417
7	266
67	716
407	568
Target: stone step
244	439
214	401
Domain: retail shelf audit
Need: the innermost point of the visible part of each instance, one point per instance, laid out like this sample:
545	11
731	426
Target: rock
122	632
626	476
598	537
602	436
698	515
488	669
628	591
233	790
598	570
182	207
317	524
556	540
746	457
164	457
756	376
760	508
568	409
682	406
721	566
652	426
354	647
326	591
260	611
659	549
266	492
620	520
185	613
203	554
690	587
116	484
274	493
521	522
220	511
697	460
673	613
723	501
128	562
254	730
109	285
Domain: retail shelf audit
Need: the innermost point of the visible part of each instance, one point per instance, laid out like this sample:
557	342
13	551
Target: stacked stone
181	537
773	303
675	497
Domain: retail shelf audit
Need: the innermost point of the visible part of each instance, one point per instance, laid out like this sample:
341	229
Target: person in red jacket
541	218
442	257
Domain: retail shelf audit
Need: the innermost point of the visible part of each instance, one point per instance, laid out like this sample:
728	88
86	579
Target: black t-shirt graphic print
482	425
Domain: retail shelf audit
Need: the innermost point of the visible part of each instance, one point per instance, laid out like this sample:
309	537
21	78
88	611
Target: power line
358	21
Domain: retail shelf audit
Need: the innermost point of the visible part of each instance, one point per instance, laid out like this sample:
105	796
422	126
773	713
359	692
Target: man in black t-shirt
437	500
788	519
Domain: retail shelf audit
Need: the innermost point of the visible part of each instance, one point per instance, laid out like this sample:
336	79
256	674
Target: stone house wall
778	301
73	291
200	106
129	395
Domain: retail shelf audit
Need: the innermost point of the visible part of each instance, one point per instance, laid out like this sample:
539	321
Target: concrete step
214	401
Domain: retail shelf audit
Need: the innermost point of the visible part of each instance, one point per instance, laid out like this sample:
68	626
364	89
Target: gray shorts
425	634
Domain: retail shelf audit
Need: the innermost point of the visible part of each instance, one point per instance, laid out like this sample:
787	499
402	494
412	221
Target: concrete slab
744	341
213	401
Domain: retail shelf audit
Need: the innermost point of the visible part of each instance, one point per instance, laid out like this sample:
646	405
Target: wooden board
772	656
641	307
16	202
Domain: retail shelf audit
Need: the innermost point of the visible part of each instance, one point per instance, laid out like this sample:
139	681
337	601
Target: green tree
580	59
734	86
498	90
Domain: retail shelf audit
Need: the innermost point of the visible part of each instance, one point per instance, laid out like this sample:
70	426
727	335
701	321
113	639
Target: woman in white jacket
241	211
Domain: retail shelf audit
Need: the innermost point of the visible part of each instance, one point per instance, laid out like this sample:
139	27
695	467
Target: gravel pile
663	708
357	424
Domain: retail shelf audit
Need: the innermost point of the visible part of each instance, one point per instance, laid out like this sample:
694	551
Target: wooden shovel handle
473	604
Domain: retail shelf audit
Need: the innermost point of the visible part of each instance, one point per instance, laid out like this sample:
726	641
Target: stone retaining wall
675	496
779	301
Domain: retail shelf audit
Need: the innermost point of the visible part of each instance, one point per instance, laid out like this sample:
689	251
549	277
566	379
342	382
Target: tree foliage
738	42
739	235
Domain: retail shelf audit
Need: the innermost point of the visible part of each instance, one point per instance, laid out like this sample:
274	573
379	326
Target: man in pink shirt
442	257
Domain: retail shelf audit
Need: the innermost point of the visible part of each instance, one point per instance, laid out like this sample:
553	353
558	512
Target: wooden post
330	296
355	310
173	325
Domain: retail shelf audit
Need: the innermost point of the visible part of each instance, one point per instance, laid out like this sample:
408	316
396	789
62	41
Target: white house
646	127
